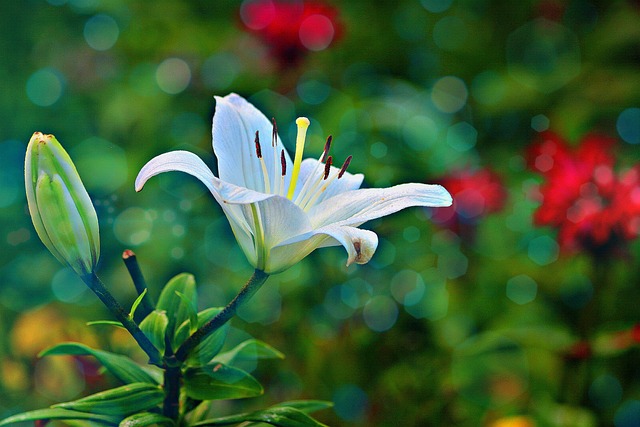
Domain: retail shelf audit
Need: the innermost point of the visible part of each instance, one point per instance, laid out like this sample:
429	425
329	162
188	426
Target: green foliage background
462	352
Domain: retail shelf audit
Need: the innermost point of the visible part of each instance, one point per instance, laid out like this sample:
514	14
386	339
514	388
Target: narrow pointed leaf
124	400
59	414
210	346
275	416
217	381
306	406
121	367
154	327
136	303
146	419
248	350
176	307
105	322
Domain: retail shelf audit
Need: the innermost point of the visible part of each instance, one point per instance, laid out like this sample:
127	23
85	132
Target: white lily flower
279	210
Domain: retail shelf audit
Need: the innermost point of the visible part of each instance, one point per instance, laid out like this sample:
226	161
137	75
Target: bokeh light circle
450	33
436	6
173	75
628	125
45	87
67	287
220	70
543	55
380	313
605	391
102	165
449	94
628	414
133	226
540	123
316	32
350	402
101	32
462	136
521	289
407	287
254	20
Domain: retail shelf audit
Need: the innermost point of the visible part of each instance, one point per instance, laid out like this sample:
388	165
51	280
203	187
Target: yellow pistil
303	125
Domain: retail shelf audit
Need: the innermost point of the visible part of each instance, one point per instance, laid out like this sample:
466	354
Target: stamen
265	174
258	150
344	167
283	163
327	147
274	132
303	194
327	167
274	148
327	182
303	124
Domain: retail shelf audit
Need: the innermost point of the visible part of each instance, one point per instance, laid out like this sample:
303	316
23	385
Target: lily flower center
315	183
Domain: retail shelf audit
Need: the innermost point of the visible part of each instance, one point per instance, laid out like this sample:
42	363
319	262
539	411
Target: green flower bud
60	207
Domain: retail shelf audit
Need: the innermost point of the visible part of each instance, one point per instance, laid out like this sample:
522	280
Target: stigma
304	194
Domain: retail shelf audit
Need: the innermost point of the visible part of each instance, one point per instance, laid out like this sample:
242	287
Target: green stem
131	262
247	291
171	404
98	288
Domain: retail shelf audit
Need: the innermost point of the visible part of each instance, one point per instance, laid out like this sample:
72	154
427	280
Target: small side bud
60	207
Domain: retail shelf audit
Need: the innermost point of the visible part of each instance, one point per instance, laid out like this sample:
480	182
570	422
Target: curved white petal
235	123
359	244
358	206
228	196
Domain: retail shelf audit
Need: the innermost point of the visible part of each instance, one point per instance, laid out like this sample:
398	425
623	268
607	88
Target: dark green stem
98	288
171	404
247	291
131	262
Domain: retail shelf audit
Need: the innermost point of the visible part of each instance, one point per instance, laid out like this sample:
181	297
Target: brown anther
258	149
344	167
283	163
327	167
327	147
274	132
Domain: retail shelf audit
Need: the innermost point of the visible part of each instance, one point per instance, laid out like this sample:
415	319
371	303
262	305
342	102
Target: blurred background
515	307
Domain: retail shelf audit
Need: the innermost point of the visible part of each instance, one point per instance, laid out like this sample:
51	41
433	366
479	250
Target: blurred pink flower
591	206
475	193
292	28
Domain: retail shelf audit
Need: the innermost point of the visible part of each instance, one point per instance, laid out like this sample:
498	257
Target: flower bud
60	207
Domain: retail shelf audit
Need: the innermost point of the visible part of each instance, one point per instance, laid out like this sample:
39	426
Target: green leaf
210	346
248	350
136	303
154	327
106	322
122	401
59	414
306	406
123	368
217	381
176	307
193	316
276	416
146	419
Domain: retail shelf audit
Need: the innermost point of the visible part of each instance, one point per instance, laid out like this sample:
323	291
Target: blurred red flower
592	207
475	193
292	28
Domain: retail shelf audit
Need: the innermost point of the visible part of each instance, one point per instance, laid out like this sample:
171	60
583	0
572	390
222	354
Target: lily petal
225	194
359	244
359	206
235	123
